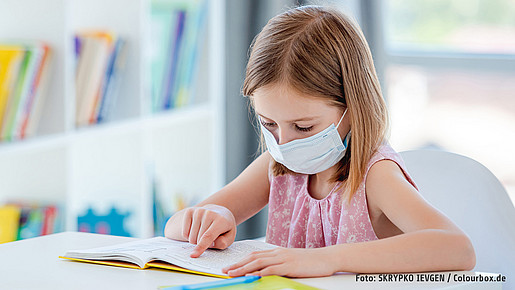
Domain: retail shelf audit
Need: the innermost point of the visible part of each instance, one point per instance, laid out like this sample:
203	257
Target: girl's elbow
468	255
470	261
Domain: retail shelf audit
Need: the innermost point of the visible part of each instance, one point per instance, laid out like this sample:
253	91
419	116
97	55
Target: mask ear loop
342	118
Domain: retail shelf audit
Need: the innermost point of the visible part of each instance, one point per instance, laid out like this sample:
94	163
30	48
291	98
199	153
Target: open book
160	252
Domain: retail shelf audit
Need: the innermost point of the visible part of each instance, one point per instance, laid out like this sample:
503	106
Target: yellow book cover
9	222
23	76
163	253
10	60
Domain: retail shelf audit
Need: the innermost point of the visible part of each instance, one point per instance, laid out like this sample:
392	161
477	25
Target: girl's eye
304	129
272	124
266	124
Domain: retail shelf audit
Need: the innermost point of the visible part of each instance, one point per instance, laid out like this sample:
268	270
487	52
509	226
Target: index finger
206	241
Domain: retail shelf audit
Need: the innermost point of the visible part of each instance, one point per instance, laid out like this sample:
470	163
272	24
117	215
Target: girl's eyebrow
293	121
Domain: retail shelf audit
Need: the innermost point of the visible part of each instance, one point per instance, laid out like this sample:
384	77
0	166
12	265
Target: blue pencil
216	284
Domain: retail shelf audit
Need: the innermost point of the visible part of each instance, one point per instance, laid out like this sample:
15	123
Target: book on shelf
163	253
9	220
24	73
100	60
177	33
111	85
22	220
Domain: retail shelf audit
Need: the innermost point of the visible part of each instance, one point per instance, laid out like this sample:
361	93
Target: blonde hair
319	51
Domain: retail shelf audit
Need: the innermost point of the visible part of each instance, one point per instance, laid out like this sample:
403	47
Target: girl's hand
285	262
209	226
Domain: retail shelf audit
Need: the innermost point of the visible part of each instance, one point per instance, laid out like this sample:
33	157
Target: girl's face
290	115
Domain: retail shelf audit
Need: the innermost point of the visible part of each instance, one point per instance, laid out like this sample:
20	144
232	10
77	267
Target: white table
34	264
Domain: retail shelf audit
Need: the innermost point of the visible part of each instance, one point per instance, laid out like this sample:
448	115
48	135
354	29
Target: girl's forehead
284	103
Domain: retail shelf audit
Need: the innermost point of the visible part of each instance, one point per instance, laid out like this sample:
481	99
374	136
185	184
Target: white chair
473	198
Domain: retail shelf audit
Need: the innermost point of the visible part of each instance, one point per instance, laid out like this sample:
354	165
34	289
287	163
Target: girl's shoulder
386	171
385	152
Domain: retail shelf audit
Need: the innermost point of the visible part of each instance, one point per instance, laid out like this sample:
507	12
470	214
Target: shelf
35	144
177	116
159	120
107	164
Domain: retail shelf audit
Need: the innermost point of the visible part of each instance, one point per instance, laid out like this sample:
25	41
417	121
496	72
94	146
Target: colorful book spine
22	220
22	75
34	106
113	79
10	60
192	48
95	51
177	33
29	89
9	221
37	92
162	41
14	99
100	62
170	77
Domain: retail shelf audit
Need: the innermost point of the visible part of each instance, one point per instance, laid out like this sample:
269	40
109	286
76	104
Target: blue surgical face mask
309	155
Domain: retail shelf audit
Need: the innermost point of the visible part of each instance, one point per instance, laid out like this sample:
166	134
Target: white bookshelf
108	164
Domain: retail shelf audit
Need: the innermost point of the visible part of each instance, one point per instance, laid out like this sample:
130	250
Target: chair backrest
473	198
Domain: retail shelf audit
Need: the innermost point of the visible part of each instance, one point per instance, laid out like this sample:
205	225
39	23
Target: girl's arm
248	193
212	223
430	242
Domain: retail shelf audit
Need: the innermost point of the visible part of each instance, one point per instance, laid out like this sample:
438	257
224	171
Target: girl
339	196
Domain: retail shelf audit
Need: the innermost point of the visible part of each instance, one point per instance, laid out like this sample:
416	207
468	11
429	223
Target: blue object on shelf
111	224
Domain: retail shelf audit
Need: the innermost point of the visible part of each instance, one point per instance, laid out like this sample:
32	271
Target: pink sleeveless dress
297	220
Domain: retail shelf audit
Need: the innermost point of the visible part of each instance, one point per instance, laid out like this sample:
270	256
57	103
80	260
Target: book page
138	252
174	252
212	260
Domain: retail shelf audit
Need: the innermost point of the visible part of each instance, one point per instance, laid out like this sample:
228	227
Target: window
448	73
468	26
